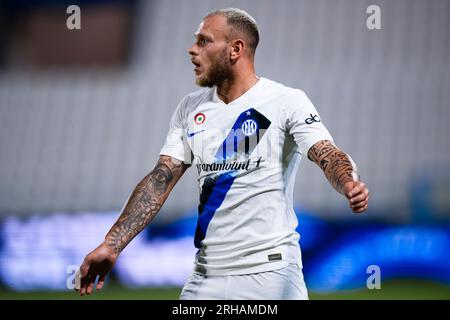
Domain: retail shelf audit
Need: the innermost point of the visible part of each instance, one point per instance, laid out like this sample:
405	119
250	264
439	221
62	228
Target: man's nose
193	50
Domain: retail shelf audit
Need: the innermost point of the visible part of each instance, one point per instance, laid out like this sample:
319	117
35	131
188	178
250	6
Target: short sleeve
176	145
304	123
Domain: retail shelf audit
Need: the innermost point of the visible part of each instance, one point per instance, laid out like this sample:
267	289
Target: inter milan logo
249	127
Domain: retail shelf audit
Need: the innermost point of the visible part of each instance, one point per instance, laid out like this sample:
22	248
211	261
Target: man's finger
83	285
359	187
360	210
84	275
363	195
90	286
101	282
85	282
84	268
82	290
359	204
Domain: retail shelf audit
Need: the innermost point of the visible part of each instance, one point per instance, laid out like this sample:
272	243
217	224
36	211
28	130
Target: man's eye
203	42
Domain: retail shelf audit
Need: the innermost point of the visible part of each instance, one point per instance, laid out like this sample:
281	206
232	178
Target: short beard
220	71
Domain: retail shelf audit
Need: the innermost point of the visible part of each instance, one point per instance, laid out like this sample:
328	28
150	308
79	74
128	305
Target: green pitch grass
398	289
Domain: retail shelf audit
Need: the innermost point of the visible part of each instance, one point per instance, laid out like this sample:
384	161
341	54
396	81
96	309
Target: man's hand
97	263
357	194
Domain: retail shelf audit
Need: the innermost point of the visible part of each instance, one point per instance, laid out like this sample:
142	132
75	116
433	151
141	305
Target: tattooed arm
145	202
341	172
142	206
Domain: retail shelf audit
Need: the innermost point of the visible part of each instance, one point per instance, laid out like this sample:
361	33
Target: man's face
210	52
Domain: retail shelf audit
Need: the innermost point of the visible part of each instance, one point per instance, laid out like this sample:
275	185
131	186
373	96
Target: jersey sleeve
176	145
304	123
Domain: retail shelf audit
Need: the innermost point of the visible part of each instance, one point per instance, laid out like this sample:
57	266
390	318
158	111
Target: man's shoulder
284	90
289	99
196	97
192	100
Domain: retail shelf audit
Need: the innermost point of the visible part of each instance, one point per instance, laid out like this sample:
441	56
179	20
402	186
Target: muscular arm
145	202
341	172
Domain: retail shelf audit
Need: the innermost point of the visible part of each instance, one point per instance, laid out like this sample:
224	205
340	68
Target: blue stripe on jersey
214	190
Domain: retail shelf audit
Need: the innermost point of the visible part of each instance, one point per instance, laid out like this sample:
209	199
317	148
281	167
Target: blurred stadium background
84	113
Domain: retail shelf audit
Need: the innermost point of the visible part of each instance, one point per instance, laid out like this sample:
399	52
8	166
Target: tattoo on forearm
337	166
145	202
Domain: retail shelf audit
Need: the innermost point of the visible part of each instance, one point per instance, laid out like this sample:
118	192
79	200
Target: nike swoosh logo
190	135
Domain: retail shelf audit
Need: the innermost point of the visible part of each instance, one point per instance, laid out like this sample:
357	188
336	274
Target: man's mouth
197	66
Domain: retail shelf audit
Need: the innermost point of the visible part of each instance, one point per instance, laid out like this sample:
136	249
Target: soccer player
246	135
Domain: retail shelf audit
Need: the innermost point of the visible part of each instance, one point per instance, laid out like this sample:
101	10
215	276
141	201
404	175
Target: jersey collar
250	92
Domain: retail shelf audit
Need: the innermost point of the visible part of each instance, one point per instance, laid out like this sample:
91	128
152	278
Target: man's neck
230	90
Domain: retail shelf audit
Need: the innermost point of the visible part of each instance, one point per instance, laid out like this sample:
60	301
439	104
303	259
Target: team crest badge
199	118
249	127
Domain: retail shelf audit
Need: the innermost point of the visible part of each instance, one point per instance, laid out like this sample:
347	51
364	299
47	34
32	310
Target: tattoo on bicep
145	202
337	166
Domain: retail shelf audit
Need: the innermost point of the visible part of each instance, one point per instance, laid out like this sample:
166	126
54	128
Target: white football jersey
246	153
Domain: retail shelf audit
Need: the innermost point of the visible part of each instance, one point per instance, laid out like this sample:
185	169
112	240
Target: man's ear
237	49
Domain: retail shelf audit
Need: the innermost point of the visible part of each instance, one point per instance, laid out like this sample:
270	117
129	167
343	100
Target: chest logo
199	118
249	127
191	134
